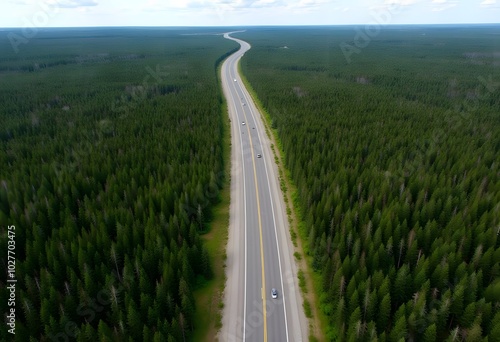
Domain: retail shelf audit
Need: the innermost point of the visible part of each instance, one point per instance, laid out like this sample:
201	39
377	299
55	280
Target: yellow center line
260	231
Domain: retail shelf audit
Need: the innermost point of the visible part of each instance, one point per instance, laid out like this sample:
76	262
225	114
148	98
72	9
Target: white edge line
245	207
274	220
245	210
275	232
244	197
277	246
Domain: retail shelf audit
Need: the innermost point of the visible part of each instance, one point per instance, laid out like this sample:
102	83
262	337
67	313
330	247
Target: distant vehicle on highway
243	122
244	104
274	293
235	79
259	156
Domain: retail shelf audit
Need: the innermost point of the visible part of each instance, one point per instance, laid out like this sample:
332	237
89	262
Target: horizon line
257	25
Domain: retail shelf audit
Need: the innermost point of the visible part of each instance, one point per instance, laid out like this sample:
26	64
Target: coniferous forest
111	158
393	144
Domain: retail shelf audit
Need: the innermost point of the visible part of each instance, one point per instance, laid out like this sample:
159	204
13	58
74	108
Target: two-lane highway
259	255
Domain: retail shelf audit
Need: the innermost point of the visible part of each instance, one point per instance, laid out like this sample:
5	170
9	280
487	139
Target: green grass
307	308
302	281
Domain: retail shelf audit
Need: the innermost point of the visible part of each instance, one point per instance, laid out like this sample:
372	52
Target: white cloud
394	7
18	2
72	3
443	8
488	3
223	7
266	3
250	12
400	2
218	6
306	6
442	5
56	3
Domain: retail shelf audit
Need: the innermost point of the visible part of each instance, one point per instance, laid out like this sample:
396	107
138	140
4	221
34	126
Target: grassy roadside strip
318	321
209	297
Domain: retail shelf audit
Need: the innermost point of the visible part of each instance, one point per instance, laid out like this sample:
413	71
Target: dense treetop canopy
111	158
394	153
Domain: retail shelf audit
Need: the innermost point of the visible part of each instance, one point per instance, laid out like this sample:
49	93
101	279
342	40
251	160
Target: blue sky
73	13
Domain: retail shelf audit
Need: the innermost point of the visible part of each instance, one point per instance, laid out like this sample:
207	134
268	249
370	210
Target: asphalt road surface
259	252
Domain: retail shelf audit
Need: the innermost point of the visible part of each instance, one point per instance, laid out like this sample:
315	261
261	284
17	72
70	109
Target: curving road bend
259	251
